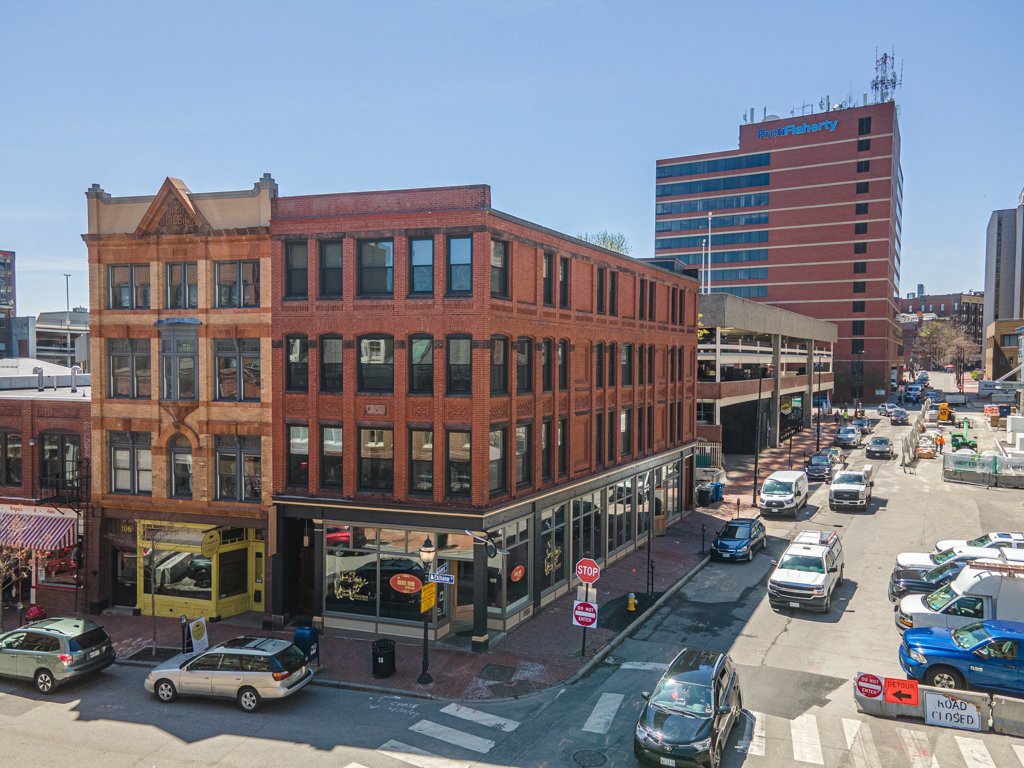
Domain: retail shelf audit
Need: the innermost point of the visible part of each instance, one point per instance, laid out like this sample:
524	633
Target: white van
985	590
784	492
808	572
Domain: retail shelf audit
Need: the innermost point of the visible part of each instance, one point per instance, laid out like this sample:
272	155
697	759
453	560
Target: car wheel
750	554
839	582
165	691
828	605
44	681
249	700
716	756
944	677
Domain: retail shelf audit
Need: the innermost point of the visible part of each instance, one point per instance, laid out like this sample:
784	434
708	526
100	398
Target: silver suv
54	651
247	669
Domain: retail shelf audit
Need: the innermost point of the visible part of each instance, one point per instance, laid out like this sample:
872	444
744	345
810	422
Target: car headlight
641	732
149	676
742	549
919	658
905	620
861	494
702	746
818	590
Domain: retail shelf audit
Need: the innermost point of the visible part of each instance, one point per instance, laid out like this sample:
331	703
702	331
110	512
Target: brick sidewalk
543	651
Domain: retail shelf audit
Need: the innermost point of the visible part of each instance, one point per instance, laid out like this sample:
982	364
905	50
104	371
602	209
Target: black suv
822	465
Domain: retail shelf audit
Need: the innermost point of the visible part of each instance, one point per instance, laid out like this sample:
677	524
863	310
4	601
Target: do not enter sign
584	614
588	571
869	686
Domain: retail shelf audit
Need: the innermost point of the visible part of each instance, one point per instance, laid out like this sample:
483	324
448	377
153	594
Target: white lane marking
355	765
915	745
600	719
418	757
974	752
476	716
453	736
860	744
1019	752
652	666
806	745
753	734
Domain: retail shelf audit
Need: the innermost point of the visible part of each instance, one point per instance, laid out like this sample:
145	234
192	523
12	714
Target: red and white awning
38	528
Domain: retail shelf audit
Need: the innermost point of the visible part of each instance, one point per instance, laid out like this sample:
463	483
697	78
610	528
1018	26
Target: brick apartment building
8	304
44	481
964	310
804	215
180	320
443	367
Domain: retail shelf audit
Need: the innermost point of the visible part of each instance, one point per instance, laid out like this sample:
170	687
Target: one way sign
901	691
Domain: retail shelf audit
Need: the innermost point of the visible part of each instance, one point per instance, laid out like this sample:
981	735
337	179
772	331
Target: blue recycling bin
717	491
1004	410
307	640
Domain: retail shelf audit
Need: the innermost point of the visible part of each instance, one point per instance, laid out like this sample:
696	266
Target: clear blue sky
562	107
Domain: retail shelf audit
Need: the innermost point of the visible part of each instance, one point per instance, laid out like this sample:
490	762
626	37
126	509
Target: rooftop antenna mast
886	81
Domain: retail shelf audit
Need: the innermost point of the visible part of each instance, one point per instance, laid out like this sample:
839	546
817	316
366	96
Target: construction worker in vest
941	441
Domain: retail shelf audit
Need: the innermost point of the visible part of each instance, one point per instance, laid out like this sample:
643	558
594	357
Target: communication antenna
886	81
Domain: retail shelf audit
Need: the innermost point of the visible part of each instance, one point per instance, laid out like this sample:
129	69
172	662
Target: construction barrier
990	471
1007	715
964	710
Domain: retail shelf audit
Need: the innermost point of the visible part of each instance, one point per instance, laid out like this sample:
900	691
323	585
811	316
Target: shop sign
210	545
518	572
406	583
200	639
428	597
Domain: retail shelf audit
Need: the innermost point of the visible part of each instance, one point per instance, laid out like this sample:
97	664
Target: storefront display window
61	566
620	515
552	542
233	573
178	574
587	527
517	571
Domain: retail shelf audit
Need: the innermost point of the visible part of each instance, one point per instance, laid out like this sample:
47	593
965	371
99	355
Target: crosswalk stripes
806	745
974	752
601	717
453	736
916	747
418	757
860	744
1019	752
484	718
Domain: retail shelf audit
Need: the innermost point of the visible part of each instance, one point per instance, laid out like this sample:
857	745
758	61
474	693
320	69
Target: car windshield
848	477
937	573
776	486
879	440
736	532
847	431
981	541
684	697
941	557
940	598
971	635
820	460
805	563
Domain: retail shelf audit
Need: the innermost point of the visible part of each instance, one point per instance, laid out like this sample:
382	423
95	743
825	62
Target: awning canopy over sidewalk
37	528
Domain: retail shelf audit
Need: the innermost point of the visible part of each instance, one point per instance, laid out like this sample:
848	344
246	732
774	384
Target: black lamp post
757	431
427	554
817	443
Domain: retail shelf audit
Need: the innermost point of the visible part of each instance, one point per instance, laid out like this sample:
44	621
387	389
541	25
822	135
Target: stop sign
771	368
584	614
588	571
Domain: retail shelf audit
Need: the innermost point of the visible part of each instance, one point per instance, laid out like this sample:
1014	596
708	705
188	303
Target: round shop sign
869	686
406	583
211	543
198	630
518	572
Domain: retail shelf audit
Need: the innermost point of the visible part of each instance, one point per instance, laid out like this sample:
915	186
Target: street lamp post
817	444
427	554
757	431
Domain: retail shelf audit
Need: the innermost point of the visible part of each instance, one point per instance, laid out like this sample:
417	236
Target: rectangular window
332	468
421	364
860	209
671	423
857	346
863	145
860	267
1009	340
599	438
375	268
376	459
860	228
672	316
547	353
238	368
499	269
858	327
563	446
650	365
863	166
460	265
499	365
460	365
613	364
10	453
296	274
651	315
650	427
297	362
239	476
863	187
613	429
238	283
643	300
858	306
626	379
129	286
640	432
331	268
375	370
860	247
524	456
640	368
864	126
129	363
458	464
563	365
298	456
613	293
179	361
183	286
563	282
524	365
421	266
599	365
860	287
549	277
600	291
421	462
130	460
331	368
545	450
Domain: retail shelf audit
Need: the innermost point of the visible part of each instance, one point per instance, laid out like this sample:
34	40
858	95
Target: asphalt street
796	672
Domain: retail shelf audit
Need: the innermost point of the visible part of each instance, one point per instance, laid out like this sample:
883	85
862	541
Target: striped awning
38	528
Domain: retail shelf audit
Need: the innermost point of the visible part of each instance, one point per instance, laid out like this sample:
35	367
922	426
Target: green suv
54	651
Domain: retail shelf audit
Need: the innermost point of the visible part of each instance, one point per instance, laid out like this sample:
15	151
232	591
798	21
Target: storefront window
178	574
517	565
401	578
620	515
61	566
672	489
233	572
351	570
587	527
643	503
552	542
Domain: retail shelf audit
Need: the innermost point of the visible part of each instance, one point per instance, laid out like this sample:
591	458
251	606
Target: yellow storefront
200	570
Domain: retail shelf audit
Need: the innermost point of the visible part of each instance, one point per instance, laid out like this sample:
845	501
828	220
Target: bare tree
155	535
15	561
940	343
613	241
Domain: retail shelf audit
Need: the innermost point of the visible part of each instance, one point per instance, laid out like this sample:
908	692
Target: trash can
383	658
717	491
307	640
704	496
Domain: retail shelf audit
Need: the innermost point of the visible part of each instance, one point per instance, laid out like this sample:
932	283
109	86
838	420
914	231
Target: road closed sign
869	686
949	711
584	614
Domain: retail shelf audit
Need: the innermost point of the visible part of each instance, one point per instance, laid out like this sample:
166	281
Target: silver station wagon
246	669
54	651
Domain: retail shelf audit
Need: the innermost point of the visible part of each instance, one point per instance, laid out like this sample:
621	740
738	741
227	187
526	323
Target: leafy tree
613	241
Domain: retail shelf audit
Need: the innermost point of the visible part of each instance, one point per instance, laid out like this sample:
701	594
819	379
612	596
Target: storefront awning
39	528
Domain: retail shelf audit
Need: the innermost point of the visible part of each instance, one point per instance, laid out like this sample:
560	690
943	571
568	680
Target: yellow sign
211	543
427	597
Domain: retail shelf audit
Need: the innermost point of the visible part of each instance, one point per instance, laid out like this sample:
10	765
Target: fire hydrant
631	602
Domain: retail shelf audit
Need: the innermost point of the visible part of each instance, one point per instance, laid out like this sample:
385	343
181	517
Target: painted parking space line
974	752
648	666
916	747
483	718
600	719
753	741
806	744
860	744
418	757
453	736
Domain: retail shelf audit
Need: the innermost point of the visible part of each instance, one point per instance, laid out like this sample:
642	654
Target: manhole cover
498	673
614	660
588	758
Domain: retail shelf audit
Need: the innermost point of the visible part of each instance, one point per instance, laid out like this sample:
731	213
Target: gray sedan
247	669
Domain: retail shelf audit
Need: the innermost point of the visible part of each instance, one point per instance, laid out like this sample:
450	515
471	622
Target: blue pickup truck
985	655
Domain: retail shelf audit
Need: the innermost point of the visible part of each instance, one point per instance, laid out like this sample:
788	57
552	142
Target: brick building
443	367
44	481
1002	354
180	320
964	310
804	215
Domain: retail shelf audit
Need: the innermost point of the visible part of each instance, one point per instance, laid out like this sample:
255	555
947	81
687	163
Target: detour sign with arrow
901	691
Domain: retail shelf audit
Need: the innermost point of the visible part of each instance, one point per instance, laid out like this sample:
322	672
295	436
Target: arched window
524	365
613	363
640	366
599	365
181	467
499	365
672	364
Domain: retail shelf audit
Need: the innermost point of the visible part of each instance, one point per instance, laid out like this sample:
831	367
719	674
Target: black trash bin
383	658
704	495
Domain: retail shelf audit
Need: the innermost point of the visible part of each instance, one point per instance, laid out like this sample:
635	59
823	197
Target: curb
362	688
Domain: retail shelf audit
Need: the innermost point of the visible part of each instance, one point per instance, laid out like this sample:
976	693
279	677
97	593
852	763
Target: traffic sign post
584	614
901	691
